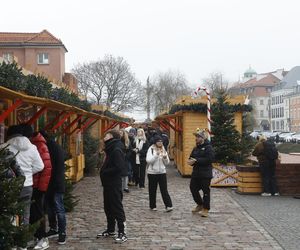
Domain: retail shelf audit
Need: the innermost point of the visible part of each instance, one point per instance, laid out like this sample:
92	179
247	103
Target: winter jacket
113	165
204	156
259	152
28	157
143	152
157	164
41	179
127	154
57	155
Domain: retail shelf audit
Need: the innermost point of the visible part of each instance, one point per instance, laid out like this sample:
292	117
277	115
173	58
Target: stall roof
162	117
50	104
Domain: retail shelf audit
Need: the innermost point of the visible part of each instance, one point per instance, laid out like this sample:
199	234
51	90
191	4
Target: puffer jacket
41	179
157	163
27	156
204	156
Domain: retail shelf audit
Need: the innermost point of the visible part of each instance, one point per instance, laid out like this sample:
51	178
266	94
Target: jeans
124	182
153	181
25	197
56	212
267	170
203	184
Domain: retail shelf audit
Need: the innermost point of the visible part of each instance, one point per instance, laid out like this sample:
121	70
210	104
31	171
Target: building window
43	58
262	102
8	57
261	113
282	125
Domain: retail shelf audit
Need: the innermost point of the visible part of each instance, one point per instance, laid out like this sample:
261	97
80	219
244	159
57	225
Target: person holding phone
201	160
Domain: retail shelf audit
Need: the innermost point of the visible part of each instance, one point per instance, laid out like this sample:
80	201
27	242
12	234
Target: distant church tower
249	74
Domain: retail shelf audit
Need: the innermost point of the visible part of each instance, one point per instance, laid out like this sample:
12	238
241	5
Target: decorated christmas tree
11	185
226	139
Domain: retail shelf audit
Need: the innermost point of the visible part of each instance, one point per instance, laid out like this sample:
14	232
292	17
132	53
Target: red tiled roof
259	92
44	37
268	80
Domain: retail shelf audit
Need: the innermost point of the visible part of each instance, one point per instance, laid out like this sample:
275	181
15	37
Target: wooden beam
36	115
10	109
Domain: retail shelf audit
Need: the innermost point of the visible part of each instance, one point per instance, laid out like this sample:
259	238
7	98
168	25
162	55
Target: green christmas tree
10	188
91	152
226	139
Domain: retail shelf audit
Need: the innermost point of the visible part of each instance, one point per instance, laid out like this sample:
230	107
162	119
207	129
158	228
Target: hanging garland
113	116
202	108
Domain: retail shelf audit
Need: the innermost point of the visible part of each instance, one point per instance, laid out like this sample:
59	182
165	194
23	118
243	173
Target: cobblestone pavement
228	227
280	216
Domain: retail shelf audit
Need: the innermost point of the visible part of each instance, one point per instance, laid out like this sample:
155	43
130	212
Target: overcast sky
195	37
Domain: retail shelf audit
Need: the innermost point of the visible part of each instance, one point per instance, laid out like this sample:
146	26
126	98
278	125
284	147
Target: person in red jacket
40	186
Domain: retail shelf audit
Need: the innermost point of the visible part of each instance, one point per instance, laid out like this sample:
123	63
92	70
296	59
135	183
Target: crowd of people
41	161
130	155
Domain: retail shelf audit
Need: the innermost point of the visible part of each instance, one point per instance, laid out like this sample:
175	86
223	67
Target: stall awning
168	121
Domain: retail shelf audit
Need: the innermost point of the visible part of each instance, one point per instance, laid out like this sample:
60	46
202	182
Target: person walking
201	159
110	175
40	186
140	151
131	136
56	189
267	154
158	159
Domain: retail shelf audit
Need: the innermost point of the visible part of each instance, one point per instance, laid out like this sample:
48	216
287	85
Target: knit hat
200	132
157	138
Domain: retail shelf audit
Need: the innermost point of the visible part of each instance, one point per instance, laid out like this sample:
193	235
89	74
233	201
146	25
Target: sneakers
121	238
42	244
276	194
153	209
126	190
169	209
197	209
51	233
204	212
106	233
61	239
265	194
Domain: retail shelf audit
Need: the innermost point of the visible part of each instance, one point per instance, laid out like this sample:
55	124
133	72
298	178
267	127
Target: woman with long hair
140	148
127	152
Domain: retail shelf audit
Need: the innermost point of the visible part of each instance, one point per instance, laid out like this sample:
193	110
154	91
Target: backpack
270	150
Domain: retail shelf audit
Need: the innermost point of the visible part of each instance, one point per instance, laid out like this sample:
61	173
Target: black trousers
139	173
153	181
37	212
267	170
113	208
203	184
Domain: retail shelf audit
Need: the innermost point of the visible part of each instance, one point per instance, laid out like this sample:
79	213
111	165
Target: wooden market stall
65	121
182	124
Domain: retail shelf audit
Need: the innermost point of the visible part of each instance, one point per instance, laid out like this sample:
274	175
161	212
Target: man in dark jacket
56	190
201	159
110	175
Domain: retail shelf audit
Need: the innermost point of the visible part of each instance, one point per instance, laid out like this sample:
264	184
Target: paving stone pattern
280	216
227	227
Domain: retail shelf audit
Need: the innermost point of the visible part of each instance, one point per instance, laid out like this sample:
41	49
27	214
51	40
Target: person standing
127	152
30	162
201	160
140	151
158	159
56	189
131	136
40	186
110	175
267	165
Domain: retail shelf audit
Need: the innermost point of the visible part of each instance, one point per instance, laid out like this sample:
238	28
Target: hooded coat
204	156
114	164
28	157
41	179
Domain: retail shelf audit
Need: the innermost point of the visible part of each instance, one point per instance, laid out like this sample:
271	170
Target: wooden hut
65	121
183	123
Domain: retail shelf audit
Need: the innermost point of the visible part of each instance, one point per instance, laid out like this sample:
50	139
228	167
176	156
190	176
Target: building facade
40	53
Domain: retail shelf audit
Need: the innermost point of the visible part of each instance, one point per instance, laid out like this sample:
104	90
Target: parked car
255	133
266	133
283	137
274	134
296	138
